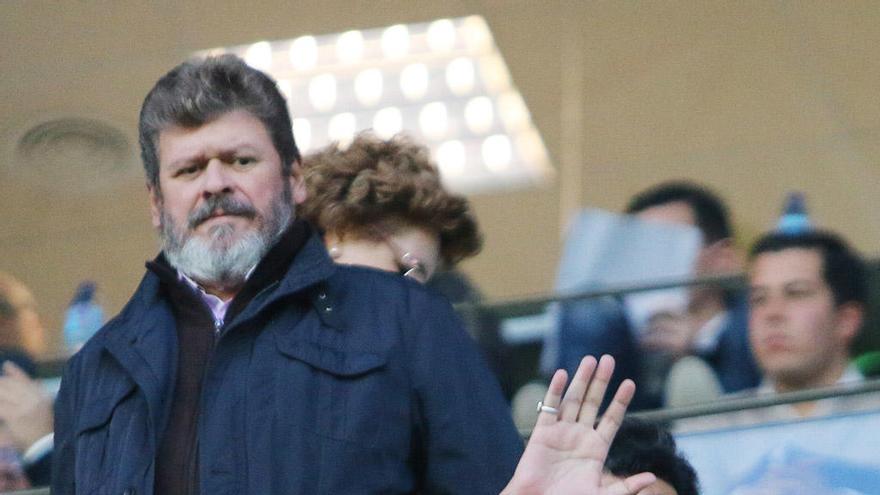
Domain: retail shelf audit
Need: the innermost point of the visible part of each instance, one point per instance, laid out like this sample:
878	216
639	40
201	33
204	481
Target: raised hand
566	453
673	333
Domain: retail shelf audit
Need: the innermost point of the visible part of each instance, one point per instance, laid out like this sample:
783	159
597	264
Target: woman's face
411	251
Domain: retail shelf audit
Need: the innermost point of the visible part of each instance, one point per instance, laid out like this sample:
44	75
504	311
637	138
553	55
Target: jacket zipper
219	331
194	466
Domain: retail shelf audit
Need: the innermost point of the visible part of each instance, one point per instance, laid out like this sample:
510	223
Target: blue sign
832	455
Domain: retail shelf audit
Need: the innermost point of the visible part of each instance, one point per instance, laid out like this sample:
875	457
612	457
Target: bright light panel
444	82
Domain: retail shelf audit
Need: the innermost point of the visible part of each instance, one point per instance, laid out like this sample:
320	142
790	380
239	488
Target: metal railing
535	303
729	404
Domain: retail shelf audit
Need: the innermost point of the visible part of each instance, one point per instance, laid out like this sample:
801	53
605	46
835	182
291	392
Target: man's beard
220	260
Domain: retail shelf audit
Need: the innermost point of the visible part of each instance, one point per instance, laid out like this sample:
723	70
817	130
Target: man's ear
850	316
297	183
725	257
155	204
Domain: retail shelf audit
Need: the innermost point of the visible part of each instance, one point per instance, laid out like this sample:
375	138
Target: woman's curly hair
386	183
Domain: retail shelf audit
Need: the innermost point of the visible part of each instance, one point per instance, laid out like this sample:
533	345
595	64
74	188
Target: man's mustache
227	204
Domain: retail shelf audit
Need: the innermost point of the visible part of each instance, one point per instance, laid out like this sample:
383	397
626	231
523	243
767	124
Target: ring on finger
547	409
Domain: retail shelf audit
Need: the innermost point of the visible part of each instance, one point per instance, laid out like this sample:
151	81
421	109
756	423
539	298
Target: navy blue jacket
336	380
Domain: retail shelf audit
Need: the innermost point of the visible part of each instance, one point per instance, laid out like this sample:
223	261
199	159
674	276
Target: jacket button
128	491
328	309
322	296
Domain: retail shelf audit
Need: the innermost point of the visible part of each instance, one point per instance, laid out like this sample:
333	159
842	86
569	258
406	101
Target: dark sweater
177	469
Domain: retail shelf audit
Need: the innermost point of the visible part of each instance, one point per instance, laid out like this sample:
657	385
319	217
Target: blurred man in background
25	406
713	326
808	296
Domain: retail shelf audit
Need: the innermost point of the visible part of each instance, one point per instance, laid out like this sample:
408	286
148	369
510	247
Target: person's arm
566	453
672	333
595	327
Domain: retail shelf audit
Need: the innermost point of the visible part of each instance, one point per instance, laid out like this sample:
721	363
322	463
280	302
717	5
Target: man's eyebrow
234	147
802	281
226	151
185	161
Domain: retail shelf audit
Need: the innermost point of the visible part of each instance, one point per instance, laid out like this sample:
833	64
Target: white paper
605	249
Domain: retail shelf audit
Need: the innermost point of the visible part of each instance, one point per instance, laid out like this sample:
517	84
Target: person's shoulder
91	351
725	420
737	304
383	286
855	403
404	306
137	311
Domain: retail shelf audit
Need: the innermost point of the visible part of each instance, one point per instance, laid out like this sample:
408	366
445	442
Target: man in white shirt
808	294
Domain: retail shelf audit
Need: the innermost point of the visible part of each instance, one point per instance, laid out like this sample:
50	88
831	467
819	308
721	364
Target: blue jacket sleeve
63	456
599	326
732	359
467	442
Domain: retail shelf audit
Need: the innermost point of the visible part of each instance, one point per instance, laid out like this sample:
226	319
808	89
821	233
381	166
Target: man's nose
774	308
216	179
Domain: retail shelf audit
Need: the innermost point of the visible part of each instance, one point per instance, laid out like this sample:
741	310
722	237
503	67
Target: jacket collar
309	269
141	339
307	274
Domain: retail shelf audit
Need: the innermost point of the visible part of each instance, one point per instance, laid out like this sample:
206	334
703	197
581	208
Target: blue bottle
84	316
794	218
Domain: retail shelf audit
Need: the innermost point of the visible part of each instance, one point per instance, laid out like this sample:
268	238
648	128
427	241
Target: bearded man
247	361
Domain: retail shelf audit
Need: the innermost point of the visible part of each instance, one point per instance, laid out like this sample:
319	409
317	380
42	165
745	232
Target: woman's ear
297	183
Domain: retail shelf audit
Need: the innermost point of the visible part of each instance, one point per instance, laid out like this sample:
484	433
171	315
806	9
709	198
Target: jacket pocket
333	360
94	461
355	393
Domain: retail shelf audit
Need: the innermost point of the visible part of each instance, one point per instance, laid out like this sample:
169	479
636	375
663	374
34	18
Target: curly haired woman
381	203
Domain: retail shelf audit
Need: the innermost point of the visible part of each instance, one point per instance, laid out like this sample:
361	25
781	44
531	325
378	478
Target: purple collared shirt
217	306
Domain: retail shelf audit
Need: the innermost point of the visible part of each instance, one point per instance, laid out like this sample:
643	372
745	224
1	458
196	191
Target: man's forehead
675	212
226	132
787	265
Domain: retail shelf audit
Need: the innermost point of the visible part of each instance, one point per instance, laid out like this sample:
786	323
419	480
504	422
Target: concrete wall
753	98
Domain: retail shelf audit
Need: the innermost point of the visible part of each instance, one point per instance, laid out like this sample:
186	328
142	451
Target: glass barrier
515	334
748	449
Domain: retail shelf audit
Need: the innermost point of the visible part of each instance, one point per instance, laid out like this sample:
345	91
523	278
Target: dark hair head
842	268
8	312
16	304
200	90
377	182
85	291
640	447
709	211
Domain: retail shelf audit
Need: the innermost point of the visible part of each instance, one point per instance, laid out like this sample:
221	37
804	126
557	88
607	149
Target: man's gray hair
200	90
